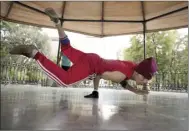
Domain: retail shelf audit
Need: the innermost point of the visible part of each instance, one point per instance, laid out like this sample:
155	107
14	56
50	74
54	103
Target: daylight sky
107	47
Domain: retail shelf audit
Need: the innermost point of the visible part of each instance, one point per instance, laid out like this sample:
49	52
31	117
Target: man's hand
142	92
135	90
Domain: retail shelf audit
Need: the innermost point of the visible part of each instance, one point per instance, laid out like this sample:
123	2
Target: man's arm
96	81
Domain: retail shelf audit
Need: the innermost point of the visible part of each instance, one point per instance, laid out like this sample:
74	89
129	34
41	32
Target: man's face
140	80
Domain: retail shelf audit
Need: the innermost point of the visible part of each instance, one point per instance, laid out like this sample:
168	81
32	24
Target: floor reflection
38	108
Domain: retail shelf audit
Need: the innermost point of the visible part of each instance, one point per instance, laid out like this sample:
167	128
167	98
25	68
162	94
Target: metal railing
14	73
170	81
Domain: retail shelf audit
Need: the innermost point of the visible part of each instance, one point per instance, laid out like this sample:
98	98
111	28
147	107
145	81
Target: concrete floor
37	108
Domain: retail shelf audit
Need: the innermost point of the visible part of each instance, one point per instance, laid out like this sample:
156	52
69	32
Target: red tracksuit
84	65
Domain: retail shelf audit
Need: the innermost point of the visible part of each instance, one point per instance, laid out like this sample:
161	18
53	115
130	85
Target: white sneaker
52	14
25	50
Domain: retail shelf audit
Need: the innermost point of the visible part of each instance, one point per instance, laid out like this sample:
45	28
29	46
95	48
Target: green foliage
15	34
169	49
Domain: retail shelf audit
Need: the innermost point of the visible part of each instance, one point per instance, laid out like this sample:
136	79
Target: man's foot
25	50
94	94
52	14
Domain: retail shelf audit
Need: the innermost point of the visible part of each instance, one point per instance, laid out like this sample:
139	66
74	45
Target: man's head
144	71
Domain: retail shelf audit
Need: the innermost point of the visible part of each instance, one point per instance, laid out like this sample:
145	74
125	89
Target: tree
15	34
167	47
170	50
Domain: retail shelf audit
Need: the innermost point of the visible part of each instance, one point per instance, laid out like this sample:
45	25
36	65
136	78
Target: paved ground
37	108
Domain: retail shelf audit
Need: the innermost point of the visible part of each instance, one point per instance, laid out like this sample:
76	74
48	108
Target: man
86	65
65	64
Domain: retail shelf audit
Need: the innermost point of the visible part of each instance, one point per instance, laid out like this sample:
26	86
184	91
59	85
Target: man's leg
67	50
78	72
94	94
65	42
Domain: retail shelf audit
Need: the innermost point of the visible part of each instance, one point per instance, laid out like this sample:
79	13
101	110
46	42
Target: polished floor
37	108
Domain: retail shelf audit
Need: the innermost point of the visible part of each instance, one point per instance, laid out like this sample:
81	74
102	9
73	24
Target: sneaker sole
51	13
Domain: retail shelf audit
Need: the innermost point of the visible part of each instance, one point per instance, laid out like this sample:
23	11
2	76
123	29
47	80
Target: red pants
84	65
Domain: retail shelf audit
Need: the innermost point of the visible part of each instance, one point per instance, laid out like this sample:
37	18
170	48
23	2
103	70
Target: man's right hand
142	92
136	91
